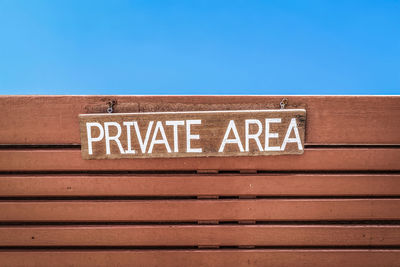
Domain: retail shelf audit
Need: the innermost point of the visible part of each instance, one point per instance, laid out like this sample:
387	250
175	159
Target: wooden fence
338	204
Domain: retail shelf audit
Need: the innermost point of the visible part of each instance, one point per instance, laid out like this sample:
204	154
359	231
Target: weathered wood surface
195	258
41	185
330	119
318	159
200	210
189	235
192	134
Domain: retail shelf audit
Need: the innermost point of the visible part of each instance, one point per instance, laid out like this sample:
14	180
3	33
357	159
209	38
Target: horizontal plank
330	119
187	258
350	159
184	235
201	210
200	185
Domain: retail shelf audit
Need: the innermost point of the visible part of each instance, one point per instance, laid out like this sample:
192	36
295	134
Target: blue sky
199	47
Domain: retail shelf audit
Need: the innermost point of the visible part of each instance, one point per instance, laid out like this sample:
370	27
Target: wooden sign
192	134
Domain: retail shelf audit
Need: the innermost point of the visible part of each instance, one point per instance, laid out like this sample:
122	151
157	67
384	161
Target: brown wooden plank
192	134
185	235
313	159
330	119
201	210
201	185
188	258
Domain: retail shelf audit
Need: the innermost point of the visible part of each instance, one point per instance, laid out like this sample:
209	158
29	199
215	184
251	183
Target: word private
192	134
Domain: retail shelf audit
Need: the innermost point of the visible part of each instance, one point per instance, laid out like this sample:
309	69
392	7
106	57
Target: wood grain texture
338	120
184	235
188	258
349	159
200	185
330	119
200	210
192	134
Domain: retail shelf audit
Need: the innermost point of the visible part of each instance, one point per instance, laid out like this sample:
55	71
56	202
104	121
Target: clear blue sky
199	47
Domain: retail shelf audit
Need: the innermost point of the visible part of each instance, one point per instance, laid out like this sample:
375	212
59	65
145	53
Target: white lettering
128	137
253	136
143	144
192	136
292	125
89	126
225	141
115	138
154	141
269	135
175	125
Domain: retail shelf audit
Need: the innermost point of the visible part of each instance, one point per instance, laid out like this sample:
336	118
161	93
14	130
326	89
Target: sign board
192	134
